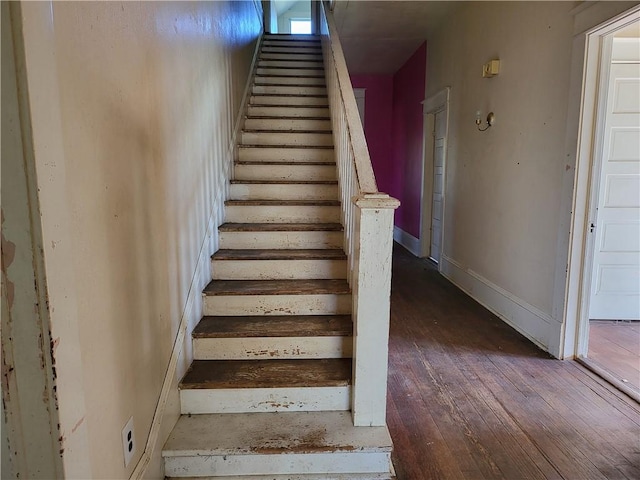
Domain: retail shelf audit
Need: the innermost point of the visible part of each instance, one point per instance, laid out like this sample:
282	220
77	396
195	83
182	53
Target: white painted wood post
371	307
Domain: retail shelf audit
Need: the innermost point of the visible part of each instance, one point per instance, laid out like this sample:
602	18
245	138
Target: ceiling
379	36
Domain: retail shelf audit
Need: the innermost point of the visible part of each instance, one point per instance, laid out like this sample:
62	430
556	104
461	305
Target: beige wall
508	190
146	96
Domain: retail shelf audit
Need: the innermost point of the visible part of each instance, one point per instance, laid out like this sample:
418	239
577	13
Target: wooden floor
615	347
472	399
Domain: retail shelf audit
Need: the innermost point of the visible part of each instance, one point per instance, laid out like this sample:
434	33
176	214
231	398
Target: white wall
133	107
508	189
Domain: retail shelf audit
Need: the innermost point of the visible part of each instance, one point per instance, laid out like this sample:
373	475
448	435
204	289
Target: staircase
269	393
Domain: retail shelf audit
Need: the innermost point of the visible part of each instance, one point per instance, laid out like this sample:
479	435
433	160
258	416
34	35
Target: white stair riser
240	305
286	124
324	464
298	155
252	400
279	269
290	72
284	100
293	139
288	56
289	80
283	191
296	64
281	240
281	214
258	348
288	90
275	112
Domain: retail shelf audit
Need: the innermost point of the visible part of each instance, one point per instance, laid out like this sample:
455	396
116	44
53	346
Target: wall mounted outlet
128	442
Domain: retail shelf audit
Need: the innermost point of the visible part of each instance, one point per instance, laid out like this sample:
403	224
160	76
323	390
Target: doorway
608	323
291	17
436	111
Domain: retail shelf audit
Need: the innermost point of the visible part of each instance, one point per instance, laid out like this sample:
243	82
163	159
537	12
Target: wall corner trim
530	321
407	240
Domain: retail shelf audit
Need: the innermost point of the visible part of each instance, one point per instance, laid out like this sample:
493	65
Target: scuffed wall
148	94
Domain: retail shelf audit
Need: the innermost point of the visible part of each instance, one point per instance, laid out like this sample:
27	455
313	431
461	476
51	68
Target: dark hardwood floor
470	398
615	347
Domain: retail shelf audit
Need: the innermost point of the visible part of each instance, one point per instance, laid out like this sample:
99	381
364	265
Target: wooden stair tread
280	227
277	326
279	254
276	287
289	95
284	203
280	132
216	374
284	182
280	117
302	147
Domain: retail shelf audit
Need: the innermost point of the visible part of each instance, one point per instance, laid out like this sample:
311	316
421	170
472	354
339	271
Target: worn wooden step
289	100
279	254
275	111
278	264
243	338
311	90
278	446
242	374
291	72
284	171
277	297
298	38
287	124
283	190
292	63
276	138
279	326
282	211
296	48
324	155
276	287
291	56
237	386
281	236
289	80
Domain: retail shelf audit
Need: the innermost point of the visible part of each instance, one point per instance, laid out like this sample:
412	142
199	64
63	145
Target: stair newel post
373	237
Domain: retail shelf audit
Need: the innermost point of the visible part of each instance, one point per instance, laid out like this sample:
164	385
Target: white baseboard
528	320
407	240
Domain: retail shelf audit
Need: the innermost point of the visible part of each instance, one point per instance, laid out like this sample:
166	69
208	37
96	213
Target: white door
615	286
440	131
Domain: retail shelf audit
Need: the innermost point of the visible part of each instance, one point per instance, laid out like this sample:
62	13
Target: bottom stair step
305	445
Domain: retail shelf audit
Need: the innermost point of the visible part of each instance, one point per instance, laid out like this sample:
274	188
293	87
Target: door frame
587	177
436	103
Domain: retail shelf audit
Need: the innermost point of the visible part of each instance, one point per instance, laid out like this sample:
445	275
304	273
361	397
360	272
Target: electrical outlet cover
128	442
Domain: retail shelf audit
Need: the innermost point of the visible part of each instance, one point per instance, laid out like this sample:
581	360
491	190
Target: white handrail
367	216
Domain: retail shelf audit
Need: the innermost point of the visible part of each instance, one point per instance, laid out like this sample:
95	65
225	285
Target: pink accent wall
393	126
378	112
407	134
